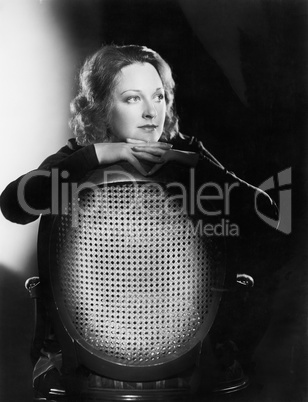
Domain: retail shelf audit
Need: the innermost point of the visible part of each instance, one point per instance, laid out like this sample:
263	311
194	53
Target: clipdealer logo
64	194
282	181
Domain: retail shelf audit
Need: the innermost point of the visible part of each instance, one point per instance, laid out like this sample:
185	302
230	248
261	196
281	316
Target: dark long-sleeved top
73	162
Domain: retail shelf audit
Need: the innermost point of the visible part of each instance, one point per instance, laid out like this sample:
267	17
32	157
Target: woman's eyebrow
138	90
133	90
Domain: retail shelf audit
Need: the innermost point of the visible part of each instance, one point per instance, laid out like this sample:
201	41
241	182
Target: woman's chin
147	137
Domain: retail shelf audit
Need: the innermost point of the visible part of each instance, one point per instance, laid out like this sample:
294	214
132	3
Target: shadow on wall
16	329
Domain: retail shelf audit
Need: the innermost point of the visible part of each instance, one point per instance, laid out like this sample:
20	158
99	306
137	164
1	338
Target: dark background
241	74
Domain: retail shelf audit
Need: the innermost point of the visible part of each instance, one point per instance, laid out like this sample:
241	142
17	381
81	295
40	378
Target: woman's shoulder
72	145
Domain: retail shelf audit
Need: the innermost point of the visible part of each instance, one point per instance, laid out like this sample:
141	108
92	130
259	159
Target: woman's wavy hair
91	108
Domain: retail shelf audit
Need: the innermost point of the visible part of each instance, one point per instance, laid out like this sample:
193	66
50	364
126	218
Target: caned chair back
132	277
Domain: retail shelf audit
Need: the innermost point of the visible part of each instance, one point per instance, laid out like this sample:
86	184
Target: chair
131	287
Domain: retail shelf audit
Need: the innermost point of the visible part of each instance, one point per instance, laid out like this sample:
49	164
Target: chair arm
243	281
33	287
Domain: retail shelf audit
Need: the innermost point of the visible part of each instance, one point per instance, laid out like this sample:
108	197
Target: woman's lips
149	127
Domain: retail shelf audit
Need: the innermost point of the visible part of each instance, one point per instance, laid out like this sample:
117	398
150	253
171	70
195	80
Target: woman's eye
132	99
159	97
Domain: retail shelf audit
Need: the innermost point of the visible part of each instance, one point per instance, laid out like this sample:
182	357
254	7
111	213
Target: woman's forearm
34	193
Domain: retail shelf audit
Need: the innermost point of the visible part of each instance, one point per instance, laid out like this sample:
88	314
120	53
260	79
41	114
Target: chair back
132	276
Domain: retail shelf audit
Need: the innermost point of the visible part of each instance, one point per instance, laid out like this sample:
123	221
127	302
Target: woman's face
139	106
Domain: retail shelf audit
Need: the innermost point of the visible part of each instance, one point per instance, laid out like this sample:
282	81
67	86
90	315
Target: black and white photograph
153	193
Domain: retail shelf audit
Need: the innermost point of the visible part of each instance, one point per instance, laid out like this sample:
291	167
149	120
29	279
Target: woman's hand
132	151
182	157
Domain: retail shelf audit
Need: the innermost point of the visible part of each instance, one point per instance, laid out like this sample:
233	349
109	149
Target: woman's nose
150	111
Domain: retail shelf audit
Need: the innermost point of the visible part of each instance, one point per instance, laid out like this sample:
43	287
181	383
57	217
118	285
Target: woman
124	111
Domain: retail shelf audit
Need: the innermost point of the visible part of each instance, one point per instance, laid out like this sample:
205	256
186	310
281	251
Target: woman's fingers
131	141
149	145
134	153
156	149
153	151
149	157
184	158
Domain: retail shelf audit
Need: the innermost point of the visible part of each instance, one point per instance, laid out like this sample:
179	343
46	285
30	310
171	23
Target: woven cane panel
135	280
